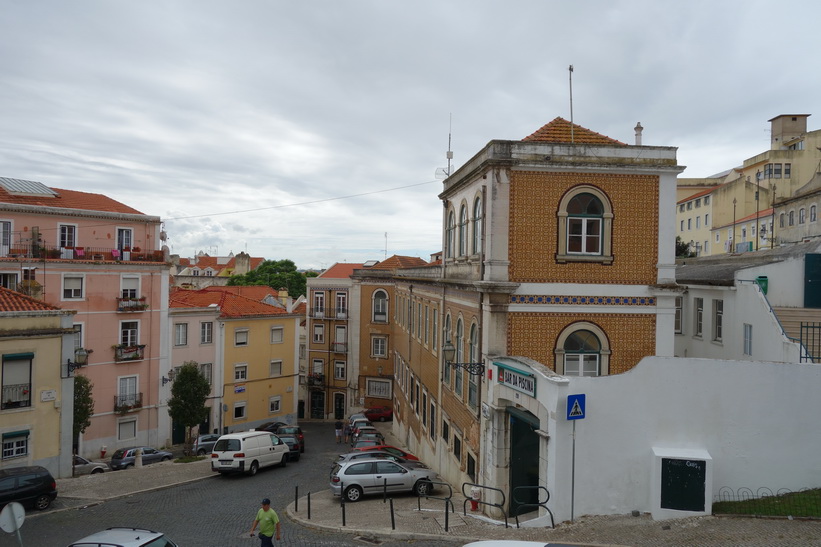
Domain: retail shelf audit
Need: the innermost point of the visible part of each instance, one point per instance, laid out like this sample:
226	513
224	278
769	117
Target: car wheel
97	471
422	488
128	466
284	461
253	469
42	502
165	458
382	419
302	449
353	493
201	452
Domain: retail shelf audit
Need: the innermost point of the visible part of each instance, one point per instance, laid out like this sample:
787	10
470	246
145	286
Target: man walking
338	430
268	521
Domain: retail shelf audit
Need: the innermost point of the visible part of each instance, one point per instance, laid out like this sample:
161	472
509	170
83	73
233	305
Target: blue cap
266	501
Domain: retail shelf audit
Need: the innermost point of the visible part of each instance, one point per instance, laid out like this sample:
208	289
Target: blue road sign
575	407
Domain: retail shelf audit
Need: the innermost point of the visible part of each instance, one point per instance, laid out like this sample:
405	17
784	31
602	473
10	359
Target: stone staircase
792	318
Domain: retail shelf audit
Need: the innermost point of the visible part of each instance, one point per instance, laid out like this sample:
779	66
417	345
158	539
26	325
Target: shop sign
516	379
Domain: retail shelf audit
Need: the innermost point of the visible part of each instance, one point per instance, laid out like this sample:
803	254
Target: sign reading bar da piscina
516	379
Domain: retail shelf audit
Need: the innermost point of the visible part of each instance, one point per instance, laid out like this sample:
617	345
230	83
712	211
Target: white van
246	452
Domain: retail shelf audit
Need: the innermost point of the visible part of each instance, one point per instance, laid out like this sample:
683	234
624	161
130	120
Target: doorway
318	405
524	458
339	406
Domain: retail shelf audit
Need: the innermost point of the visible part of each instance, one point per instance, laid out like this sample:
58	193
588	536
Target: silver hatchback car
356	478
125	537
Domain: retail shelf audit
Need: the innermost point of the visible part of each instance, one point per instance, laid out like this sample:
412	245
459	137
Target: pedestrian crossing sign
575	407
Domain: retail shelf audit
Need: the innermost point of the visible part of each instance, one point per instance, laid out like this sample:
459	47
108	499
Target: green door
524	458
812	281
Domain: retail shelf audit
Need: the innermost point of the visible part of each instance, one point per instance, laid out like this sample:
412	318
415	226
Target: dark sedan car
32	486
294	446
124	458
293	430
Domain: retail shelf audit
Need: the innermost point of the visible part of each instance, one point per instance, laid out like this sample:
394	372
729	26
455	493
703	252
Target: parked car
32	486
387	448
362	455
366	443
125	537
357	416
247	452
360	422
294	446
293	430
360	478
270	427
123	458
204	443
83	466
379	414
366	430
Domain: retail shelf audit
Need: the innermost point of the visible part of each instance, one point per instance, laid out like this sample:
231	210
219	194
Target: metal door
524	457
318	405
339	406
812	281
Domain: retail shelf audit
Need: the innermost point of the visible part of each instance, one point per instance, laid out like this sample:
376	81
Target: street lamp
449	352
80	360
732	248
757	188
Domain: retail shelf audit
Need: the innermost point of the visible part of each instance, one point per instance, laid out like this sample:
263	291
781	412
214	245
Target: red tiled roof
558	131
204	261
697	194
255	292
231	305
70	199
14	301
397	261
341	270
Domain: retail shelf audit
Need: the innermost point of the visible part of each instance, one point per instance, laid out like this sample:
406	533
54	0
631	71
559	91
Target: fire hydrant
475	496
103	450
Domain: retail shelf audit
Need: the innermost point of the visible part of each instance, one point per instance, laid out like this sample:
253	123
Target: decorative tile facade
582	300
534	201
631	337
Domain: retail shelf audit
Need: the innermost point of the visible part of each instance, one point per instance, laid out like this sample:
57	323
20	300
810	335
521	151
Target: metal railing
129	353
127	403
132	304
524	503
481	501
446	499
42	252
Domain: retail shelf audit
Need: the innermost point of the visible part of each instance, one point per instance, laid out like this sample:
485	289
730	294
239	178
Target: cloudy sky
309	129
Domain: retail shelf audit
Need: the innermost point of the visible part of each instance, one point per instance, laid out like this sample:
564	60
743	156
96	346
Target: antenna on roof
571	103
386	245
442	172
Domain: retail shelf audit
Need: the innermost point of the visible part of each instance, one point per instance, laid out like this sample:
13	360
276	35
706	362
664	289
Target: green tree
188	395
683	249
83	405
276	274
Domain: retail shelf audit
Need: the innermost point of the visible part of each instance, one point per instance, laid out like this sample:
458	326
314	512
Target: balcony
128	403
319	313
316	379
131	304
91	254
129	353
341	313
339	347
16	396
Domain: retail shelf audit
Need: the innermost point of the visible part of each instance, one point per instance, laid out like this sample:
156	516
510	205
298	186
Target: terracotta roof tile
397	261
341	270
558	131
231	305
14	301
69	199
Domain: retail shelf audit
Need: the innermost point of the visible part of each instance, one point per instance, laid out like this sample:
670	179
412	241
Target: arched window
445	339
477	227
473	357
802	216
813	213
585	226
581	354
380	306
463	230
451	234
460	357
791	218
582	349
781	220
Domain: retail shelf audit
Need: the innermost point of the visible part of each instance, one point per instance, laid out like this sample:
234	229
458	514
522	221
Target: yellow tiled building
554	253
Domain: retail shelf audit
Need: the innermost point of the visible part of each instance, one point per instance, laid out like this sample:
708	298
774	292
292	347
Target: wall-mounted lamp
474	369
170	377
80	360
379	370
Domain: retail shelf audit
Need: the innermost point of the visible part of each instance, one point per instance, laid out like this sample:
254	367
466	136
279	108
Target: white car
83	466
247	452
509	543
125	537
356	478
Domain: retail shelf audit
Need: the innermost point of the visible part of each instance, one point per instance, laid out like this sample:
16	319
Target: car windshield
119	454
288	429
225	445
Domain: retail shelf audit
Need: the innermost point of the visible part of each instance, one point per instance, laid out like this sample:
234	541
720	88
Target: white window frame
319	333
277	335
718	320
133	337
378	388
679	315
240	406
76	294
180	334
206	371
698	317
206	332
130	286
379	347
340	370
66	235
275	404
241	337
275	368
127	425
241	372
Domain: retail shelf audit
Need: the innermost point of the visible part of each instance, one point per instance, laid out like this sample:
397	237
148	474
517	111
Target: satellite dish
441	173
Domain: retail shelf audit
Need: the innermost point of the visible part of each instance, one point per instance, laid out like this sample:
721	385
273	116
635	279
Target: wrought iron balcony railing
339	347
129	353
132	304
128	403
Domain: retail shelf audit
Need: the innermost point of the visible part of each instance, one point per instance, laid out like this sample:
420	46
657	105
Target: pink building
90	253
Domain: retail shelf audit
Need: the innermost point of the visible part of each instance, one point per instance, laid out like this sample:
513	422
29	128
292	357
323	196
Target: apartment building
205	270
105	261
246	342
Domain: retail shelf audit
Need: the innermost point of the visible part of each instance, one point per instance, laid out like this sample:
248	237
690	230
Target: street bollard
296	498
393	517
446	515
385	491
309	506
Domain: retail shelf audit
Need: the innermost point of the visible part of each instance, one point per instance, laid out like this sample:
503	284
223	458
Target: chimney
282	294
242	264
638	129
